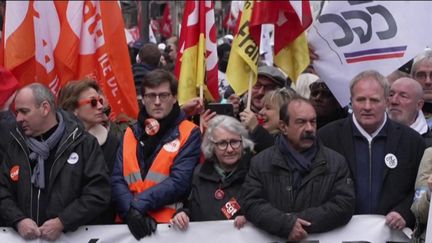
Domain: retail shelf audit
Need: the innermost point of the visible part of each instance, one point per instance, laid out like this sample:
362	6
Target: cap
274	74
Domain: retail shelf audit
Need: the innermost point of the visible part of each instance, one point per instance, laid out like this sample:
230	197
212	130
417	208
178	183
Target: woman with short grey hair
216	183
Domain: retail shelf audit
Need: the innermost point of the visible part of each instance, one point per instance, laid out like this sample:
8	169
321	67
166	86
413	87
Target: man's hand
51	229
249	120
239	221
181	220
395	221
235	101
297	232
28	229
205	117
193	106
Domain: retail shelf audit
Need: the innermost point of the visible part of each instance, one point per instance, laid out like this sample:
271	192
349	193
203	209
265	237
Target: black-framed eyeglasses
162	96
223	145
423	75
93	101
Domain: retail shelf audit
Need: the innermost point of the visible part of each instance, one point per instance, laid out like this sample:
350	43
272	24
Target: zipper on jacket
370	176
60	148
37	207
291	195
30	170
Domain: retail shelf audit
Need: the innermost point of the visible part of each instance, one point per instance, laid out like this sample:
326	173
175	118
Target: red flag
55	42
197	54
166	23
290	19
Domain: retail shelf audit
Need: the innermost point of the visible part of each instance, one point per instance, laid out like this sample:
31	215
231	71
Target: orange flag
55	42
197	59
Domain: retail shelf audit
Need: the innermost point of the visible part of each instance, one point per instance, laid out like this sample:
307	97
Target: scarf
40	151
299	163
151	142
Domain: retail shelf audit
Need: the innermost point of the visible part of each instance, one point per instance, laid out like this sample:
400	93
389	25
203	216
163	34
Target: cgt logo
14	172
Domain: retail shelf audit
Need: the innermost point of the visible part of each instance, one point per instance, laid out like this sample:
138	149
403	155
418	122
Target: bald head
405	100
35	109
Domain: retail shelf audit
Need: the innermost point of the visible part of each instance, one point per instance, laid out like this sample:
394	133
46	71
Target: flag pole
248	104
201	95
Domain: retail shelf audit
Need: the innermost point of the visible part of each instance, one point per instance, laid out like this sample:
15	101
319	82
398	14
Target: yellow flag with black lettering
243	59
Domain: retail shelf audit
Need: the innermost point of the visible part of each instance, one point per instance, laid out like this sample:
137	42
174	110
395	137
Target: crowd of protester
295	163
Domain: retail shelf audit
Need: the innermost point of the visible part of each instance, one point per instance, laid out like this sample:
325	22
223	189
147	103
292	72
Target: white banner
353	36
364	228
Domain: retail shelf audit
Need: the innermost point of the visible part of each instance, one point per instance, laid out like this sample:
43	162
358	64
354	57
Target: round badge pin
151	126
73	158
391	161
219	194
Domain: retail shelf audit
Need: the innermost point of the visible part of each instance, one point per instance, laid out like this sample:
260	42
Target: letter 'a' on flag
54	42
243	59
197	61
290	19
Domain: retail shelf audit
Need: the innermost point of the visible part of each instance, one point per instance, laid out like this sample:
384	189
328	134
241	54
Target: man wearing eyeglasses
54	177
155	163
298	186
422	72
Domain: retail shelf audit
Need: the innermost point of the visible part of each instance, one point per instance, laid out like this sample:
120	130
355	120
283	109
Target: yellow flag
243	59
294	58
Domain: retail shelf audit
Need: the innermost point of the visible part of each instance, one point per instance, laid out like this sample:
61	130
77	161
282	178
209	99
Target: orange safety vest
159	170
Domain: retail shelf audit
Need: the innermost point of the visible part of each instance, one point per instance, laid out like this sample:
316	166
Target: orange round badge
151	126
14	173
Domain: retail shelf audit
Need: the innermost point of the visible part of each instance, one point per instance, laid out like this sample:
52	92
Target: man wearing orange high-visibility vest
155	162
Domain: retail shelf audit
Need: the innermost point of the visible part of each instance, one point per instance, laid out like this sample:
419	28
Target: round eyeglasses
223	145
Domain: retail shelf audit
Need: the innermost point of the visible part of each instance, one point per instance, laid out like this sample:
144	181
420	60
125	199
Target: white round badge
391	161
73	158
172	146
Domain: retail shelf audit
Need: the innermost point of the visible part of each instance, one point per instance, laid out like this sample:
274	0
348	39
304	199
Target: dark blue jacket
397	184
169	191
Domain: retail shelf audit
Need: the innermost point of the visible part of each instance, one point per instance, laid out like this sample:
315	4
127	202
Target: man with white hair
405	104
422	72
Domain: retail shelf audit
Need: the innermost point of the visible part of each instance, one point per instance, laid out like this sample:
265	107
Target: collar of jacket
207	171
170	135
278	161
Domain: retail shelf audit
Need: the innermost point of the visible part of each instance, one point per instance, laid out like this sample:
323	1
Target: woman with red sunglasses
84	99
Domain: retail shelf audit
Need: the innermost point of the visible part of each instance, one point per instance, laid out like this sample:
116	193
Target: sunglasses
93	101
107	110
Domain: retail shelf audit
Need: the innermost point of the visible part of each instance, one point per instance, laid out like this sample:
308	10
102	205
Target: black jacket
202	204
397	191
78	189
325	197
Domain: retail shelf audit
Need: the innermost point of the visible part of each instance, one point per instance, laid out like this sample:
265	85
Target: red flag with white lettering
55	42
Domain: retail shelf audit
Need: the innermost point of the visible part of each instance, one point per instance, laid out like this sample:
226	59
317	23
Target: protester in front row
423	187
405	104
383	155
263	135
83	98
298	186
54	178
227	150
155	162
